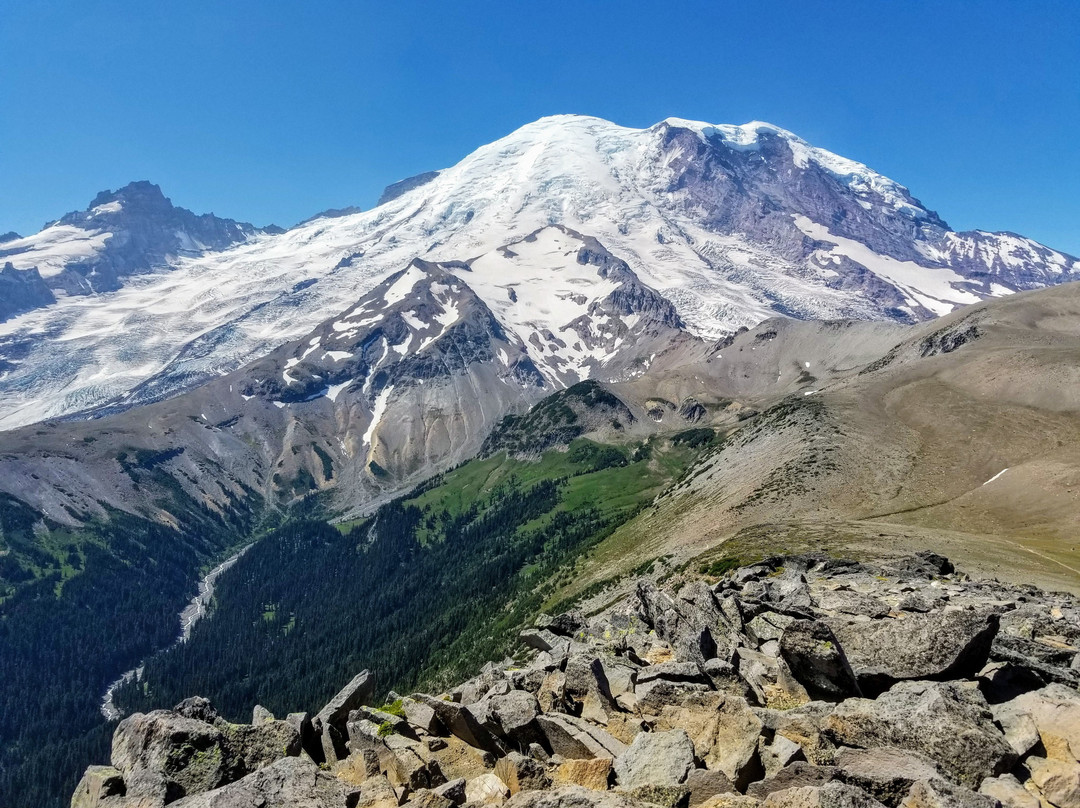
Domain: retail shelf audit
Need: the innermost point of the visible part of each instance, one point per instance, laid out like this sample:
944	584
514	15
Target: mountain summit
729	224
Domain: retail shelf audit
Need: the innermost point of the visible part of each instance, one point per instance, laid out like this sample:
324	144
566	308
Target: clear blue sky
271	111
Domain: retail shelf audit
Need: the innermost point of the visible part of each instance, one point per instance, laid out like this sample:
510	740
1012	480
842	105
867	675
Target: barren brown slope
906	452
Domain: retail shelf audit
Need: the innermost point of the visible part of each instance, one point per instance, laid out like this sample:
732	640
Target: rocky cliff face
796	681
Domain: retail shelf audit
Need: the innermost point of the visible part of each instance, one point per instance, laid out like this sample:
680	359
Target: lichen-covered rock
164	756
940	793
573	797
817	660
100	787
946	722
656	758
830	795
733	745
946	645
288	783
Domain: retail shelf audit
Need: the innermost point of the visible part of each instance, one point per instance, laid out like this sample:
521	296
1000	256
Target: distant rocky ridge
121	233
795	681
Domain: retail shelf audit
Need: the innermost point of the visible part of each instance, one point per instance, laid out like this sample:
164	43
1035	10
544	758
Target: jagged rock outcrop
790	682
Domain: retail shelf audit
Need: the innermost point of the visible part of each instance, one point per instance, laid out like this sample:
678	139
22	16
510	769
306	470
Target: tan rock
1056	713
550	694
1007	790
1058	781
659	654
699	716
731	801
456	759
625	727
733	749
357	767
376	792
592	774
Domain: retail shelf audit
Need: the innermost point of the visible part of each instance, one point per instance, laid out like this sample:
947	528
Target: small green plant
386	728
720	566
394	708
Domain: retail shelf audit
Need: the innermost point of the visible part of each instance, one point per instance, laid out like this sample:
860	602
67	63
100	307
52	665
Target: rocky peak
799	680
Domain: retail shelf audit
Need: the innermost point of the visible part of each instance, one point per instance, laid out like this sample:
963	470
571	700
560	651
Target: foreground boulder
949	645
946	722
656	758
818	661
164	755
288	783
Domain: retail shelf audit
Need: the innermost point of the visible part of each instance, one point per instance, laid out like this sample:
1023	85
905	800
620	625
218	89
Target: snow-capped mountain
121	233
727	225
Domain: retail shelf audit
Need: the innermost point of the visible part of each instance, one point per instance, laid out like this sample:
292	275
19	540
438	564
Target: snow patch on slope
929	287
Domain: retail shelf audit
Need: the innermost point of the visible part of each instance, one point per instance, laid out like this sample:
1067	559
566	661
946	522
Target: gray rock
287	783
884	772
692	622
817	660
571	737
567	624
198	709
514	717
795	775
778	753
329	723
656	758
848	601
454	790
947	722
355	694
788	592
421	716
521	773
543	640
260	715
163	756
428	798
585	677
572	797
767	626
950	645
460	722
309	741
704	784
97	786
831	795
940	793
661	796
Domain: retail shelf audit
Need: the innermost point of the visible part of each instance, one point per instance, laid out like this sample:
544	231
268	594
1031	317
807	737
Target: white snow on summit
631	189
